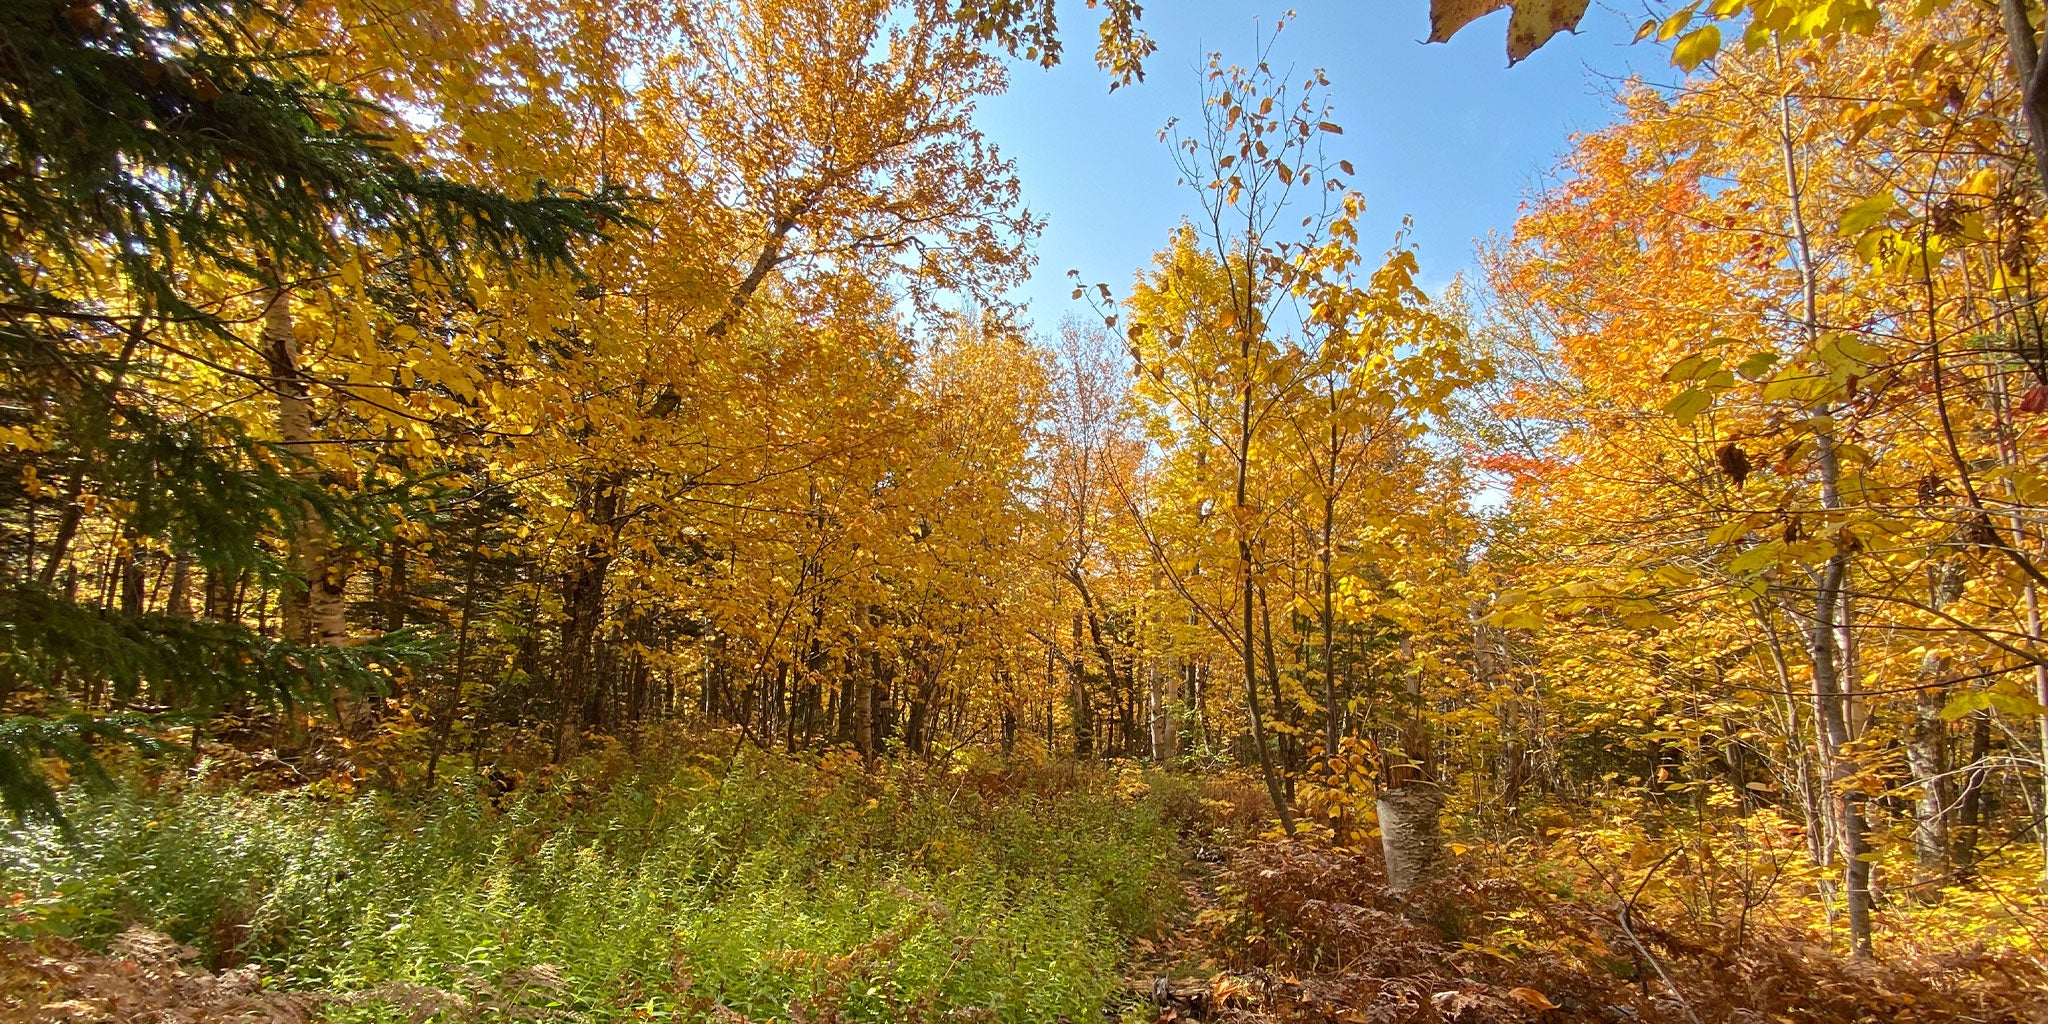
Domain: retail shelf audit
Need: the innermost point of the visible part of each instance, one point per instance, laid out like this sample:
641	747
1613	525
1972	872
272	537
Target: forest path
1176	971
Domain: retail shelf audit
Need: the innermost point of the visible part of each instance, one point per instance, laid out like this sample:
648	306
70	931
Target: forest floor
708	883
1295	931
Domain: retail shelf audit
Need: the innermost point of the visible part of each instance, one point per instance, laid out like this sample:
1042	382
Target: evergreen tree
150	151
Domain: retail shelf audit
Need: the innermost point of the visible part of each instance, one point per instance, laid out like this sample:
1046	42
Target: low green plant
681	886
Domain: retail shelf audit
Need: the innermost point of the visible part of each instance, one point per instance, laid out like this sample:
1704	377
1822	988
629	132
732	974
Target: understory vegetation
686	879
697	878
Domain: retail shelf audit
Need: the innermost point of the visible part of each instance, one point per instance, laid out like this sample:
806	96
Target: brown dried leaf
1536	21
1446	17
1533	23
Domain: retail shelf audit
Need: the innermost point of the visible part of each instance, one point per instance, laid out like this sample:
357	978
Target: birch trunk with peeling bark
316	611
1162	696
1409	835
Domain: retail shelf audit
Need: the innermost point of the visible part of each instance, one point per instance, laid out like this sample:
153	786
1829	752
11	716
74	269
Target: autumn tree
171	170
1248	335
1827	441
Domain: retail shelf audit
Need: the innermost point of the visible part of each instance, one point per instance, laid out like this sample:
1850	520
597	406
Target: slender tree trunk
67	528
315	607
1927	748
1833	713
1926	755
1248	636
2033	603
314	612
918	724
397	567
1162	686
2023	534
861	693
1970	813
583	600
1258	715
2028	69
1515	761
444	717
1099	641
1051	683
1333	716
178	603
128	570
1077	692
74	507
218	595
1287	748
839	710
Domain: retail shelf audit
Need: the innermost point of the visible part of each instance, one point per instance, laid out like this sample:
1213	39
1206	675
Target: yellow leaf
1698	47
1865	215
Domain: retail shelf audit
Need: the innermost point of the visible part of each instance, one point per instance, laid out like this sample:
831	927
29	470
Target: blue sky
1446	133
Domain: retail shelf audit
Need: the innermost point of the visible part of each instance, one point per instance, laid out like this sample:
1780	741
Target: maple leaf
1531	25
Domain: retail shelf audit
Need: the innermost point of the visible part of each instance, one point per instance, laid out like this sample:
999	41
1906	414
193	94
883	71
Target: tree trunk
1831	712
1834	711
2033	606
1288	749
1077	687
1162	694
178	604
1333	716
67	528
1251	692
1970	814
392	608
2028	69
1100	642
1409	835
315	610
861	694
444	716
74	508
1927	749
128	570
917	725
583	599
1248	598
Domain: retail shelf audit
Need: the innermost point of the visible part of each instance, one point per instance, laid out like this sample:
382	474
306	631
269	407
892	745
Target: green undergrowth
682	885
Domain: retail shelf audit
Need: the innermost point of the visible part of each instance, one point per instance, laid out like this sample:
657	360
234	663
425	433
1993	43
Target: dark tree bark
583	599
